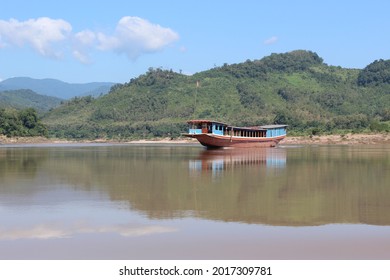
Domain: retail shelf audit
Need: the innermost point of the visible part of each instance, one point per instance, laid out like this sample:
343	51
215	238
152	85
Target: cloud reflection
53	231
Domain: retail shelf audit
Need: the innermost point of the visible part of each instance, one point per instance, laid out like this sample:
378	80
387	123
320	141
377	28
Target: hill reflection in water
283	186
184	202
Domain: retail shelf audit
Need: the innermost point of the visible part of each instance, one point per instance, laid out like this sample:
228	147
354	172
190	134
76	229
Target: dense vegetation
294	88
376	73
25	98
21	123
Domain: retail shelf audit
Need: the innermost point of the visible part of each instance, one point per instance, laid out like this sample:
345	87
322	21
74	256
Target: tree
21	123
29	118
375	73
248	97
299	60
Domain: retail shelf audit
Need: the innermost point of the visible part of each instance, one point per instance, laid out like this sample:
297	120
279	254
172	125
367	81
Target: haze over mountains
56	88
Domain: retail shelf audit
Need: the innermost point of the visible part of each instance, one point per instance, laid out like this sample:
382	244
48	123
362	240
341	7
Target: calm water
185	202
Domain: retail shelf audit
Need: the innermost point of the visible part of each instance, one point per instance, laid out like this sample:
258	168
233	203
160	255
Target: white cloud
83	42
41	34
52	231
86	37
135	36
271	40
81	56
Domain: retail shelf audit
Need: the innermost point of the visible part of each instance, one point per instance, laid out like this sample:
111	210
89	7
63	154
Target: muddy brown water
102	201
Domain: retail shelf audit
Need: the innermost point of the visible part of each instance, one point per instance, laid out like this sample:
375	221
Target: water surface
185	202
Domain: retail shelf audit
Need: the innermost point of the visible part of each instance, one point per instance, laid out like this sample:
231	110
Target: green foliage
375	73
331	100
292	61
288	94
248	69
24	98
156	76
378	126
21	123
285	62
249	98
294	88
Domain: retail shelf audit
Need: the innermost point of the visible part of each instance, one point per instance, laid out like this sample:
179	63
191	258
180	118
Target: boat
214	134
217	161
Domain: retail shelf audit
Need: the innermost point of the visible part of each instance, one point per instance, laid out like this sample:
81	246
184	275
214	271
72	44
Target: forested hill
25	98
295	88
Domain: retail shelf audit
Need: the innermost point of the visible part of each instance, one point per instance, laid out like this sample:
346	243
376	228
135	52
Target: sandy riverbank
42	140
347	139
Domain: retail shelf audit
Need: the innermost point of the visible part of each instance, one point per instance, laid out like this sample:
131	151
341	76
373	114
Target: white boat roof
271	126
262	127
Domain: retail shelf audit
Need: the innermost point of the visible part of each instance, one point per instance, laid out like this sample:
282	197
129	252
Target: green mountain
295	88
24	98
56	88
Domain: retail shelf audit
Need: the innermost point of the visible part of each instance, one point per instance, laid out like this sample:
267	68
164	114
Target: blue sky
81	41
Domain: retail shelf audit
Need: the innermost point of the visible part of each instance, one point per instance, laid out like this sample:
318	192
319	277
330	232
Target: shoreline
347	139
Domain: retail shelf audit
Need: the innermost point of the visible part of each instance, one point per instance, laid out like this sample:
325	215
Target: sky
114	41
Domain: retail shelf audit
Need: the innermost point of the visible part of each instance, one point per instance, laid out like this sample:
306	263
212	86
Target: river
103	201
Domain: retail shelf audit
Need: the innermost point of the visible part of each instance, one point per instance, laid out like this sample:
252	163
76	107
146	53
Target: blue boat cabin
275	130
205	126
218	128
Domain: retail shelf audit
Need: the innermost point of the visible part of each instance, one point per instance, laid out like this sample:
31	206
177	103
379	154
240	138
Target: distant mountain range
56	88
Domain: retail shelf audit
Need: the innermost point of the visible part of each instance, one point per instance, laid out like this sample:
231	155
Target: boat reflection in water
184	202
219	160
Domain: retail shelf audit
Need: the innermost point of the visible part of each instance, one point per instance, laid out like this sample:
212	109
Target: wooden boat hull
218	141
